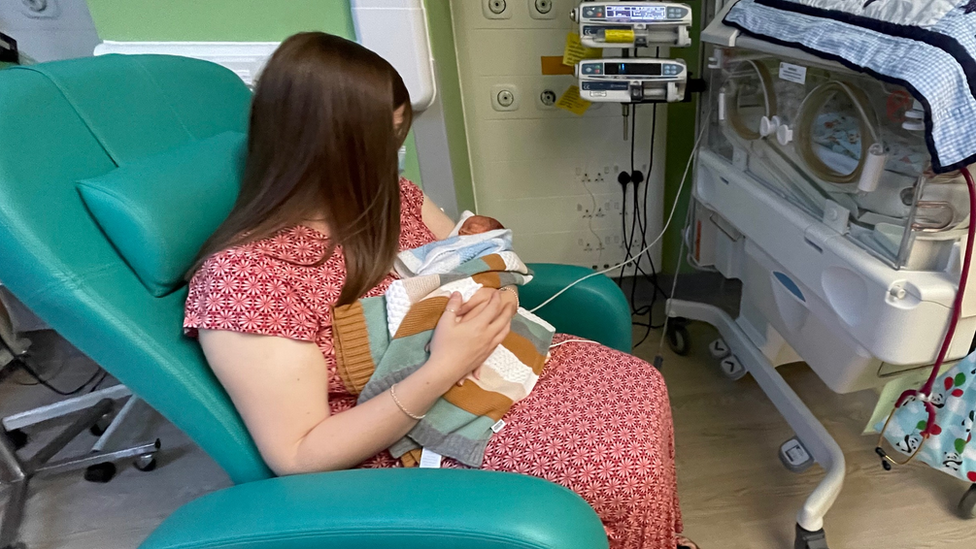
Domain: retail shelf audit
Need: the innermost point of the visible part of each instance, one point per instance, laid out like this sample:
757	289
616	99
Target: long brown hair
322	142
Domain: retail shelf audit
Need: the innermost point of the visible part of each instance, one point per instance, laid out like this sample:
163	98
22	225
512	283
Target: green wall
449	90
217	20
226	21
680	140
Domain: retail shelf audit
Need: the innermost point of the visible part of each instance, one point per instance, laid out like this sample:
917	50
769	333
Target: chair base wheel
100	426
967	506
18	438
100	472
806	539
146	463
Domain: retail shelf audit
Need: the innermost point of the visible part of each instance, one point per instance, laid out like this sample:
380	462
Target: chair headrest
159	210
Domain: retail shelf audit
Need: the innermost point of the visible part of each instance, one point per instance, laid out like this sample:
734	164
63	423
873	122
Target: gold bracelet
514	292
400	406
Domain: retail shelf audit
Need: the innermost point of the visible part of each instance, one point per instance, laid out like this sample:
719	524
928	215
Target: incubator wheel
679	340
18	438
967	506
806	539
145	463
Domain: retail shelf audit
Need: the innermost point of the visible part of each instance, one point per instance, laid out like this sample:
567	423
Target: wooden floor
736	494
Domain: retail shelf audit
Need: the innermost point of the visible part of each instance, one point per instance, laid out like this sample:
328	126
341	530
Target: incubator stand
812	186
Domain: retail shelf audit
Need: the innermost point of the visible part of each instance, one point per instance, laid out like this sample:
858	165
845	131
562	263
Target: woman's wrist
435	375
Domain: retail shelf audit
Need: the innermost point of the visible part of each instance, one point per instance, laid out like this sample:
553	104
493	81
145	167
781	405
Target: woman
320	217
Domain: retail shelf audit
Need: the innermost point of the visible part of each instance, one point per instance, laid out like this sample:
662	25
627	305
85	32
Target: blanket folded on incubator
927	46
380	341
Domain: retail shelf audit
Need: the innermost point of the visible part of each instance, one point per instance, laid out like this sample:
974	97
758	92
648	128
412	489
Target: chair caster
967	506
146	463
679	340
806	539
99	427
18	438
100	472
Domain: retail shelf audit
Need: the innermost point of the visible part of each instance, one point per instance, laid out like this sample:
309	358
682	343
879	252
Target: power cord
667	224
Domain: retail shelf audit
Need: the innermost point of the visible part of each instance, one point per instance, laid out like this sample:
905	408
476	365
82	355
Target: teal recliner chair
71	121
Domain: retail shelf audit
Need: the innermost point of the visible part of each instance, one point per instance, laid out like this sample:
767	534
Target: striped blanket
380	341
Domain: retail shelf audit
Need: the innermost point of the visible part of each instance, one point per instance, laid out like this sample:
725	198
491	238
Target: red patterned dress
597	422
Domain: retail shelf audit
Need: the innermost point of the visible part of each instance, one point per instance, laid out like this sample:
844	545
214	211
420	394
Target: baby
477	224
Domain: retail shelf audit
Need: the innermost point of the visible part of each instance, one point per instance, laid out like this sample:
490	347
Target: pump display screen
637	13
636	69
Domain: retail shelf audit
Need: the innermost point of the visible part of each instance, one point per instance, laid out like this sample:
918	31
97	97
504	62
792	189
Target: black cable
21	363
30	371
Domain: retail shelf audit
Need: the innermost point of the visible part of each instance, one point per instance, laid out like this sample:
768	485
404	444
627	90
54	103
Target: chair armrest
402	508
595	308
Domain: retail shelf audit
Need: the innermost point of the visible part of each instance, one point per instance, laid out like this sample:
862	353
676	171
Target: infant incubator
814	187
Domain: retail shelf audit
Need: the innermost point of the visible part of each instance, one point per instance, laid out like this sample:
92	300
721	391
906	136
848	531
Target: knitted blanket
380	341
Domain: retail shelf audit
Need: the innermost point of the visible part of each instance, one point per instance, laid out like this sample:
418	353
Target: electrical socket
546	99
496	9
505	97
542	9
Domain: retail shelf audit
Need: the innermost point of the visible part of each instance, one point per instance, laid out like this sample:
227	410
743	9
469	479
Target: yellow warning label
619	36
572	102
575	50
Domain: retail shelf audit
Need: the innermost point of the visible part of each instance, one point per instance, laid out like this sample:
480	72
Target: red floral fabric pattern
598	421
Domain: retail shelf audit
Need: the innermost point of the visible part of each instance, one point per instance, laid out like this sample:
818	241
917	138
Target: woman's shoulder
249	288
410	193
233	261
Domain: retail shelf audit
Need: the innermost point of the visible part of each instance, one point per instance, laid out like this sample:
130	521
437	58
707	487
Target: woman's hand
461	343
483	295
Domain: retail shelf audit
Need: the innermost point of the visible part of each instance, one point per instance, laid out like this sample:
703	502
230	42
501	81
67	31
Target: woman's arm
280	388
436	220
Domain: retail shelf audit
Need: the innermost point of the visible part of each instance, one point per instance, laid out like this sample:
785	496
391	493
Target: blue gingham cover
936	63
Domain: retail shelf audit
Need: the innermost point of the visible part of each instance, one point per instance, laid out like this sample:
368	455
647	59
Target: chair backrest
72	120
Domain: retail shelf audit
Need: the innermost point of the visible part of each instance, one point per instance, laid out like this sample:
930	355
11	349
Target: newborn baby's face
477	224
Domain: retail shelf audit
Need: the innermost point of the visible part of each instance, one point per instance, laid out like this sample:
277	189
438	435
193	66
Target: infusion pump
633	24
632	80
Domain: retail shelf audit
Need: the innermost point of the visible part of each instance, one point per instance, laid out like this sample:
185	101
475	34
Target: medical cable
769	103
659	358
925	393
647	248
644	226
625	178
554	345
640	218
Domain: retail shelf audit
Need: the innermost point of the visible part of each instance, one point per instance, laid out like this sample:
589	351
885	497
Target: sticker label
553	64
429	460
572	102
575	50
793	73
498	426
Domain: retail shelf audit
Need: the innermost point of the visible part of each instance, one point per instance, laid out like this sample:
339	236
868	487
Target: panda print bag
949	447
